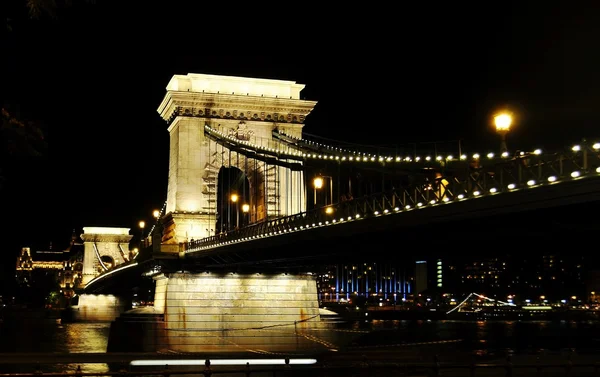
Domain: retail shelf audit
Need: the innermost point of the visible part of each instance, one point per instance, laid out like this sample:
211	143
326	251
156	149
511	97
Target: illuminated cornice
106	230
117	238
215	105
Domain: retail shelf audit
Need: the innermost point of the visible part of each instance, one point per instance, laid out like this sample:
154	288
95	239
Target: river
483	340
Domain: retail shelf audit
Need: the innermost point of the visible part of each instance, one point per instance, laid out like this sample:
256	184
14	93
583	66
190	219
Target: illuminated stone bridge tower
246	109
104	248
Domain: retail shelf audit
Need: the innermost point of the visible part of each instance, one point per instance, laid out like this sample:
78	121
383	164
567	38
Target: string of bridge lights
158	215
358	157
329	210
376	158
319	145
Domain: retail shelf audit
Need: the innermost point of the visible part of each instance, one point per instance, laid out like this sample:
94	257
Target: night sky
94	75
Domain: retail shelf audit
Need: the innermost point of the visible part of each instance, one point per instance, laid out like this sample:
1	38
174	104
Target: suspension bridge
252	205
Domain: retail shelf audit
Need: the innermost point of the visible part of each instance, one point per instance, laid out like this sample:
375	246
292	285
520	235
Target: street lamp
503	122
318	184
157	230
141	224
234	199
318	181
245	209
133	253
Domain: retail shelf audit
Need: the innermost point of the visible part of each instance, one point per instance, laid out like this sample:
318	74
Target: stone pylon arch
101	242
223	158
264	196
243	109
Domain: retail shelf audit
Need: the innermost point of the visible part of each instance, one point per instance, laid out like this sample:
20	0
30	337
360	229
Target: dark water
478	339
40	335
488	337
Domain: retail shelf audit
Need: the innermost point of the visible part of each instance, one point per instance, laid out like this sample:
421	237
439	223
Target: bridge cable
125	258
99	258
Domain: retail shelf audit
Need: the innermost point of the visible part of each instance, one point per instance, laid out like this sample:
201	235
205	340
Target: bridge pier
97	308
233	312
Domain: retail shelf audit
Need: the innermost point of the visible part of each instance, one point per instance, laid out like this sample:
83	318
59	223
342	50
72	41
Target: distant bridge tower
104	248
246	109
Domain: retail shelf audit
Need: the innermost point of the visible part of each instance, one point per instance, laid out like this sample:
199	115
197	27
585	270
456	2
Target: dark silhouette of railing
361	367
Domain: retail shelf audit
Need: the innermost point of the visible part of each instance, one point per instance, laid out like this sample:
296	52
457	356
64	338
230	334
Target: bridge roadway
524	221
520	219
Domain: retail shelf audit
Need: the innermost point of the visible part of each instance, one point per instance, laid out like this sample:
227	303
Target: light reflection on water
85	368
81	338
481	339
486	338
50	336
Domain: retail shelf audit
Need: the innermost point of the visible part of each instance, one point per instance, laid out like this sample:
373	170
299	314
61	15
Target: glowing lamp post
156	231
234	199
133	253
142	225
245	210
318	184
503	122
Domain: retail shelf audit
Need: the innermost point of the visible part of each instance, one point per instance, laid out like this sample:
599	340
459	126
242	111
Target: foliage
39	8
53	298
56	300
20	138
42	289
36	10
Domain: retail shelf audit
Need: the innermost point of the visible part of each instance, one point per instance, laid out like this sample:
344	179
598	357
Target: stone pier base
206	312
97	308
138	330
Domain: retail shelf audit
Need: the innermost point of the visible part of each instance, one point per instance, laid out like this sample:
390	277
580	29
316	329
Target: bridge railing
454	181
360	366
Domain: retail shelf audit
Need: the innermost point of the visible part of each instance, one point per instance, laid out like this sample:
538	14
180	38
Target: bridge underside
534	231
